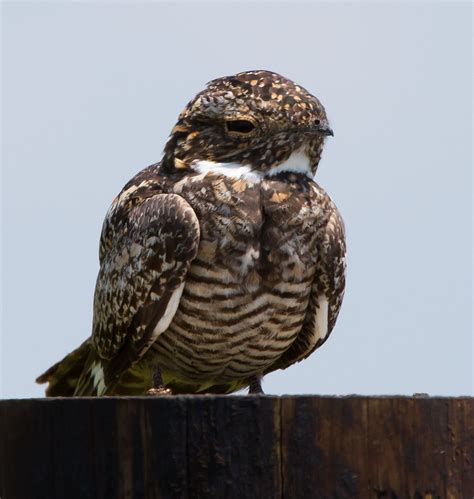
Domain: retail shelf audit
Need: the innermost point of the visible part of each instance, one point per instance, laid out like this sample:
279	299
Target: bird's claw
159	391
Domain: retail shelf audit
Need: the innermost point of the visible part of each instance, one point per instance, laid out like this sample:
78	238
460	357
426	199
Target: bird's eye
317	122
240	126
179	136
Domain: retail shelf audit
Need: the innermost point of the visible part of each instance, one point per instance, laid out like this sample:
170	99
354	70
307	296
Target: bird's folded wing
139	285
327	291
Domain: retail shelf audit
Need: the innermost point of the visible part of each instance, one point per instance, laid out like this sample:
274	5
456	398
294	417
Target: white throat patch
233	170
298	162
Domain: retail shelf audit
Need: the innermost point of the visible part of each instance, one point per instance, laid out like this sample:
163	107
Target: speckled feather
223	262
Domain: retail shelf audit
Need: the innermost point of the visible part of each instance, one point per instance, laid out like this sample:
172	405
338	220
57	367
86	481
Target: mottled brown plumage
223	262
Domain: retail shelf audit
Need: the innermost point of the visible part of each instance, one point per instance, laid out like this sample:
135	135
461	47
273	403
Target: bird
224	261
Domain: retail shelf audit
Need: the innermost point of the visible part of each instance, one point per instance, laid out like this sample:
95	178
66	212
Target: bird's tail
81	374
91	382
62	378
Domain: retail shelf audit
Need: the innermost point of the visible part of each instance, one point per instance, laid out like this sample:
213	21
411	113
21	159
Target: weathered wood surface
243	447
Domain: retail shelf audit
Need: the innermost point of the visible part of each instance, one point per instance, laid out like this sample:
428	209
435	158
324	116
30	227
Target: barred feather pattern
247	293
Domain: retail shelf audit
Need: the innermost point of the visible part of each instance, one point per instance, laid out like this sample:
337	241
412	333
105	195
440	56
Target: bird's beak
324	129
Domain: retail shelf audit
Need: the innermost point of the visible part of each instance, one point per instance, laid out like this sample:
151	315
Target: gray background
91	90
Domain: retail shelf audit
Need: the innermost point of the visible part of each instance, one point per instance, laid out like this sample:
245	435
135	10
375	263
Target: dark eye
178	136
240	126
317	122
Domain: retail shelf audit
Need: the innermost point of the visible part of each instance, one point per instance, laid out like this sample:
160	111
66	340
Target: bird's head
254	119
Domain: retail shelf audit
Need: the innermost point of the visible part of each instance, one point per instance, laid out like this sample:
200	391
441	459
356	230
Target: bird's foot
158	388
255	387
159	391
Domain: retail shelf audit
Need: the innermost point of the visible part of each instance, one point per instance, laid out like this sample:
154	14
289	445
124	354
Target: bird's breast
247	291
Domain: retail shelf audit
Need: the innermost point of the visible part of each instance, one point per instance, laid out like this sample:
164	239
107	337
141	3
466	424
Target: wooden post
237	446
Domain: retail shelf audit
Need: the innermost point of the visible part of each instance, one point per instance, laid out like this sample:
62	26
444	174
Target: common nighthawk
224	261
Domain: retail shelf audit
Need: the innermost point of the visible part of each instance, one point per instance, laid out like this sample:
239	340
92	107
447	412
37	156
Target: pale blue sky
91	90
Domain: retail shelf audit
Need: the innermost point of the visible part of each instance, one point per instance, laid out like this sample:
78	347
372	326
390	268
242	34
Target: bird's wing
150	247
327	290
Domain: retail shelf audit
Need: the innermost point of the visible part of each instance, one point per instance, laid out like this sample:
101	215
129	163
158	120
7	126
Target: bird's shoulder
145	184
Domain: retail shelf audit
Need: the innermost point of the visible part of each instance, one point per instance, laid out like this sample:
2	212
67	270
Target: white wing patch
171	308
321	319
97	371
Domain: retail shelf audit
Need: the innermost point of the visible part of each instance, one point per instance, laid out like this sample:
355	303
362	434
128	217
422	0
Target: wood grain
242	447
